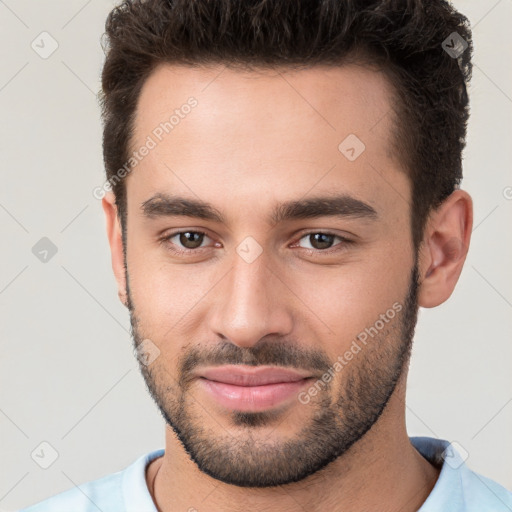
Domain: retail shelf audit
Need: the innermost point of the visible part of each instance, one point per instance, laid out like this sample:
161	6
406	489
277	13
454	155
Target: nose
250	303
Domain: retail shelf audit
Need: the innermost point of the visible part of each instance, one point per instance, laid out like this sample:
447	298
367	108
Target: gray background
68	375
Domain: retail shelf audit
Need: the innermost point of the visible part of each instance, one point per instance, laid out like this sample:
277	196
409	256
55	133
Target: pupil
188	238
321	240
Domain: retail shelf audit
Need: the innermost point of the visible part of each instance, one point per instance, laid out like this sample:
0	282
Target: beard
341	413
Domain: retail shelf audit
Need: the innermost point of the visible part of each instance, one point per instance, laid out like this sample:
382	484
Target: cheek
163	292
338	301
343	301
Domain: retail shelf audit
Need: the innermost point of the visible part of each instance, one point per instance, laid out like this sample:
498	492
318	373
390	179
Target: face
260	238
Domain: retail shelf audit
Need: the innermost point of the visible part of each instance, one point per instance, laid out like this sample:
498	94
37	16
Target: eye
189	242
185	241
320	241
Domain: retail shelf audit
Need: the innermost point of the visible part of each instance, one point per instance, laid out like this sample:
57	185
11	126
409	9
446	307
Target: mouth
246	388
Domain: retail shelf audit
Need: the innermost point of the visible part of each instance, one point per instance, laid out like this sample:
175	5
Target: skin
254	140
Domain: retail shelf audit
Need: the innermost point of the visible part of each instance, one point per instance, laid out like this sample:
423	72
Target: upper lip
252	375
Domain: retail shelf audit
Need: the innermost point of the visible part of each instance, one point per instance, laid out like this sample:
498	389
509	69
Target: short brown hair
404	37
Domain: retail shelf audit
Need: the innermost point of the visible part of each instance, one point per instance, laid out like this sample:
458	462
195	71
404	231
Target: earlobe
444	249
115	240
122	297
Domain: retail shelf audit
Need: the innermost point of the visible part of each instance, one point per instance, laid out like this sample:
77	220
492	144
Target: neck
382	471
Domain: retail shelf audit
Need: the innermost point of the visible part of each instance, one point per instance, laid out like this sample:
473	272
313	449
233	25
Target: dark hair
403	37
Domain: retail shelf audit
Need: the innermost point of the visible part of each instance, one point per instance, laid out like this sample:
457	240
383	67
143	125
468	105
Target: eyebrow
343	206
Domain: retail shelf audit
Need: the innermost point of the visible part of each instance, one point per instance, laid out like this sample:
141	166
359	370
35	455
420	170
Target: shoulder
458	488
92	496
125	490
480	491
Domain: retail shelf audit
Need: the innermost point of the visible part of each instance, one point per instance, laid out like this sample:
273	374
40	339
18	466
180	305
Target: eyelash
344	242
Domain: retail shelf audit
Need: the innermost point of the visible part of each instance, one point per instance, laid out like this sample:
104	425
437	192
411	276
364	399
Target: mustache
265	352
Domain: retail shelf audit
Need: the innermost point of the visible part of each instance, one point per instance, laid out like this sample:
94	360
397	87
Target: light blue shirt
458	489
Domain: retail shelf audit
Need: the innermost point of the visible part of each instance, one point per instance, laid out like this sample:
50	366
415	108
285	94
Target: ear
115	240
444	248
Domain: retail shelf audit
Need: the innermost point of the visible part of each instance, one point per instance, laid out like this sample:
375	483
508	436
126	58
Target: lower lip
252	398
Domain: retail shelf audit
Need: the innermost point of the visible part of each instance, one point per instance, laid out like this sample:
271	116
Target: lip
246	388
240	375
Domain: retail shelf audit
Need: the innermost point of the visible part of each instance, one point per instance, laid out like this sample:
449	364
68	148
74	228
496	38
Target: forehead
262	130
339	99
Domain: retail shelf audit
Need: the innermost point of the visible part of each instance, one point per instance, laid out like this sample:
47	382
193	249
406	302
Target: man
282	196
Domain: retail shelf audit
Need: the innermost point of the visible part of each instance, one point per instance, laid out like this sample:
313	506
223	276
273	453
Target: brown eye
320	241
190	239
182	242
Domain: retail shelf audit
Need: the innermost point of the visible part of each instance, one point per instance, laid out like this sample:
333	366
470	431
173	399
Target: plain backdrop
68	376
